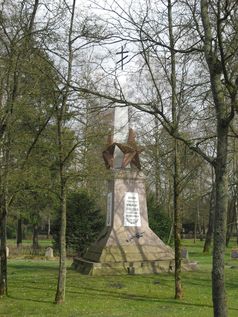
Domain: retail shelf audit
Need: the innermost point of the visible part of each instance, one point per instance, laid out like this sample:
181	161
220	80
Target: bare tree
176	174
61	113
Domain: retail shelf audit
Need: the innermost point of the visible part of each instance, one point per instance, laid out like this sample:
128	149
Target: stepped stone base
123	248
120	268
123	268
114	254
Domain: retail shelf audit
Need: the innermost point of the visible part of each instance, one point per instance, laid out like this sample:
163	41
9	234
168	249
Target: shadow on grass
32	267
198	281
201	281
143	298
31	300
99	293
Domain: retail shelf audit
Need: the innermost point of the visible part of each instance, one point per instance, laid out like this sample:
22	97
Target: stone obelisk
127	244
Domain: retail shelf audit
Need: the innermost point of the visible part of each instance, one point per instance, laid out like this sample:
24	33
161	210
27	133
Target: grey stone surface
49	253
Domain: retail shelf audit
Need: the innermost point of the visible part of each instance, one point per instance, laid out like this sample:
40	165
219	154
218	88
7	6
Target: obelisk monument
127	244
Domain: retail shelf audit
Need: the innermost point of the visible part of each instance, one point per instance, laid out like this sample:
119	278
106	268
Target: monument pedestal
127	245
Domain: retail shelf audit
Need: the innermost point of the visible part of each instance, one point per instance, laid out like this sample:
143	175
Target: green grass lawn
32	285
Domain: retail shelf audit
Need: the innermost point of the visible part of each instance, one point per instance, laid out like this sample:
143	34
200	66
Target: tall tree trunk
48	228
177	230
236	216
19	232
60	293
231	217
3	246
195	228
3	221
209	234
171	232
157	165
61	112
236	219
176	191
224	108
35	238
3	215
218	279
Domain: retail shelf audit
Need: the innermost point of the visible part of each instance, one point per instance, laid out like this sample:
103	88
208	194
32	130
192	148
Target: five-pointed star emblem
130	150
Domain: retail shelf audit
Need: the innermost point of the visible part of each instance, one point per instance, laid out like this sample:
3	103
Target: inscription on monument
109	210
132	210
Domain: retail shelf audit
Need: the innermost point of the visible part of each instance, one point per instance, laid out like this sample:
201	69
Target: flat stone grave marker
184	253
7	252
49	253
234	254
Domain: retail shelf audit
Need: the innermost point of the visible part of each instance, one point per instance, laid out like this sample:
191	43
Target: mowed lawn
32	285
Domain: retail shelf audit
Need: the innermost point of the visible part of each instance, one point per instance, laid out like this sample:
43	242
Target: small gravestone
49	253
234	254
7	252
184	253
